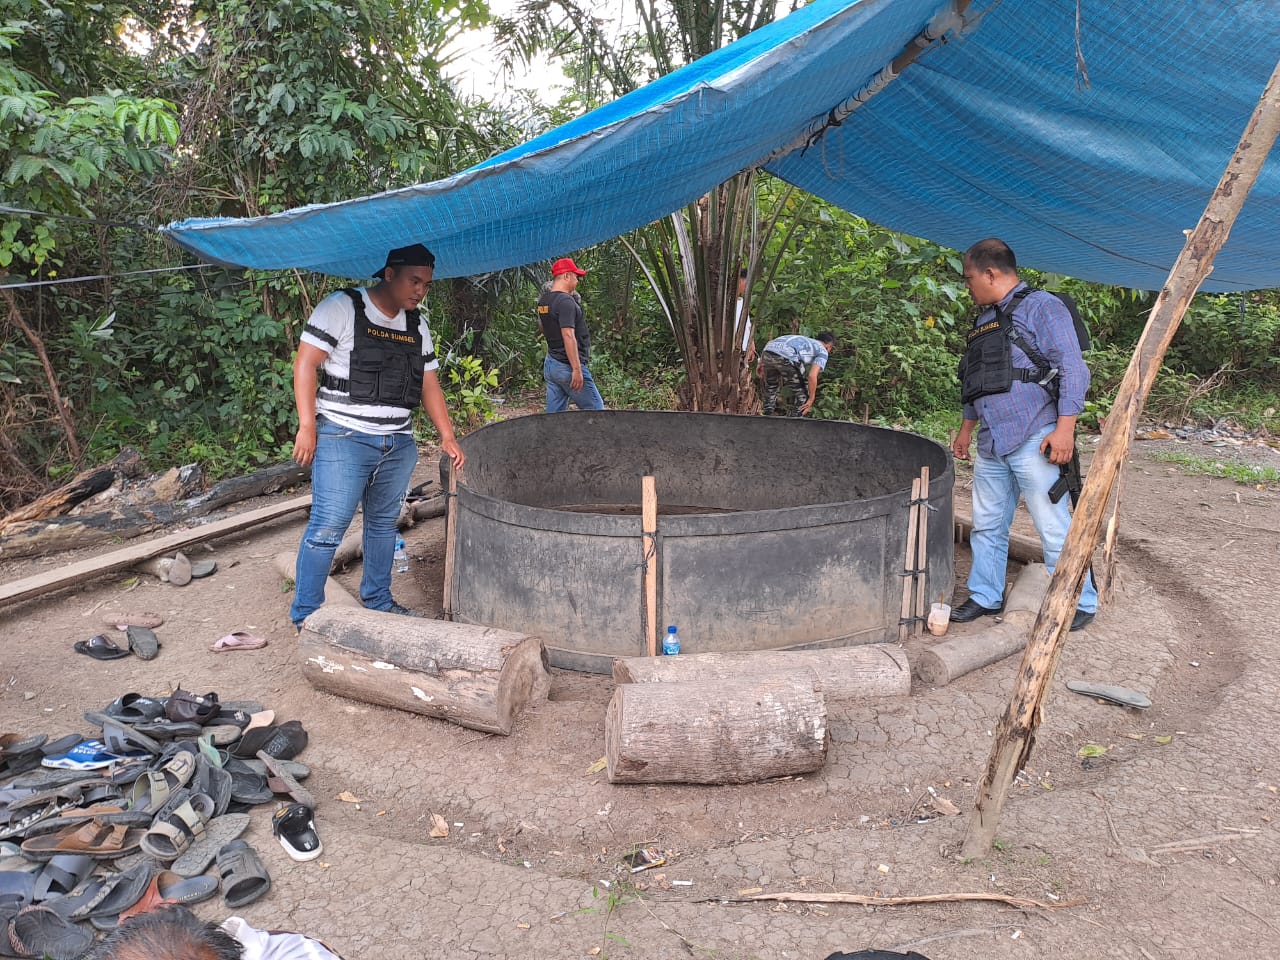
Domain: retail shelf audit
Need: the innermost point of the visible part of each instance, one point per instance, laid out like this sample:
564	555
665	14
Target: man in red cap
568	342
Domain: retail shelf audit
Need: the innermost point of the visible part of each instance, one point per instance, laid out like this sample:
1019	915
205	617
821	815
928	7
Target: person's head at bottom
170	932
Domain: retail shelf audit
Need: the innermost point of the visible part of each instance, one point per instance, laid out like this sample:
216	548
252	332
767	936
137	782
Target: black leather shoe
1081	620
971	609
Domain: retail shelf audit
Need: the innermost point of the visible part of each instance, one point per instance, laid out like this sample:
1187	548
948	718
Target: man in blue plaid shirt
1027	429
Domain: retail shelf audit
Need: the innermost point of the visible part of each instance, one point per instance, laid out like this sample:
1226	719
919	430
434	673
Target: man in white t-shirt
365	362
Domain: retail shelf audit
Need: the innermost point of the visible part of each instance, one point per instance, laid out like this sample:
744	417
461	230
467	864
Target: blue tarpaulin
993	131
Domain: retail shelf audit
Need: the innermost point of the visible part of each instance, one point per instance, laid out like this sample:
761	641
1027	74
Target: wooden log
351	548
257	484
707	732
474	676
95	567
943	662
335	594
84	485
1015	734
839	673
125	521
1022	548
649	557
450	541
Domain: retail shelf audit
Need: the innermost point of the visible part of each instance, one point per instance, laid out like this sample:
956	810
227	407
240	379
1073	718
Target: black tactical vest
987	365
386	365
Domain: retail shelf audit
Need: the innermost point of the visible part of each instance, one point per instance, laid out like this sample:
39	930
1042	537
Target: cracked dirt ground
533	836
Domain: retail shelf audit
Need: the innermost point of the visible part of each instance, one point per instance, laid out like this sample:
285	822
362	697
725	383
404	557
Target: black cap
414	255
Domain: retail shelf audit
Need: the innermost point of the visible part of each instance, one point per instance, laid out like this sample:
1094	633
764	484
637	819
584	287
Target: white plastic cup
939	618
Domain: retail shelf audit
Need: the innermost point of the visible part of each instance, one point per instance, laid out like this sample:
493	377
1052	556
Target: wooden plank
95	567
450	541
649	554
922	555
908	561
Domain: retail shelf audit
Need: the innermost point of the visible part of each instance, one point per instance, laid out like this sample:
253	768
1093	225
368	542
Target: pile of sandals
95	830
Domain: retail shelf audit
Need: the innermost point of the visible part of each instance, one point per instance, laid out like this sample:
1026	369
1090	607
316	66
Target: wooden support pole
908	561
1015	735
922	552
450	542
649	554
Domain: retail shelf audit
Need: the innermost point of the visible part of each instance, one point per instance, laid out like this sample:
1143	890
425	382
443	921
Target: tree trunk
709	732
840	673
85	485
476	677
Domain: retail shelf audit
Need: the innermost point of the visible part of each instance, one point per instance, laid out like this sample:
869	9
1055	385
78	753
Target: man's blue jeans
996	486
557	374
353	469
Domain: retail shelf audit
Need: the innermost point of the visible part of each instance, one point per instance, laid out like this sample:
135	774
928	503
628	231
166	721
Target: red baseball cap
566	265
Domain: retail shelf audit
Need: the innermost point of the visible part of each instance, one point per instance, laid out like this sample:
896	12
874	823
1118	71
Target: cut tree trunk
943	662
85	485
351	548
711	732
1022	548
841	673
477	677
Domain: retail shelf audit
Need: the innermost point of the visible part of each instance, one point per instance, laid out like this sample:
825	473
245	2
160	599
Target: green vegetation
117	116
1209	467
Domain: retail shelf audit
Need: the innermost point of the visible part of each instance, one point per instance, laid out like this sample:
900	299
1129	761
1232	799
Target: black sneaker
403	611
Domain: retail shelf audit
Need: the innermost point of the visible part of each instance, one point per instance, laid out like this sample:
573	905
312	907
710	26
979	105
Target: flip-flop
135	708
61	875
17	888
200	569
247	786
279	780
283	742
61	745
220	831
1124	696
180	570
239	640
13	744
244	878
212	780
100	647
299	771
143	642
38	931
119	891
295	828
122	739
131	618
163	729
176	888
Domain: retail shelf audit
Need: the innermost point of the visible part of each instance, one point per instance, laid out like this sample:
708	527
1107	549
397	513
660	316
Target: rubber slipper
61	745
176	888
244	878
100	647
238	641
295	828
143	642
95	839
163	729
38	931
284	742
135	708
299	771
281	781
61	875
152	790
248	706
173	834
183	706
1124	696
121	891
247	786
200	569
180	570
220	831
149	901
130	618
121	739
12	744
213	780
17	888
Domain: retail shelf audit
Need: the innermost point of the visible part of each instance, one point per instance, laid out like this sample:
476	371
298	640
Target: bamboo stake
922	556
908	562
1015	735
649	553
450	541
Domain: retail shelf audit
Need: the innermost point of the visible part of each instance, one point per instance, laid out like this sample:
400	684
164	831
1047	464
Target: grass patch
1209	467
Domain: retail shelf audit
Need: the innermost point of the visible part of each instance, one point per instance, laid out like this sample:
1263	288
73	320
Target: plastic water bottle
671	643
401	558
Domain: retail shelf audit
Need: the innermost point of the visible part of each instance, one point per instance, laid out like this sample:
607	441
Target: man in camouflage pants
783	362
